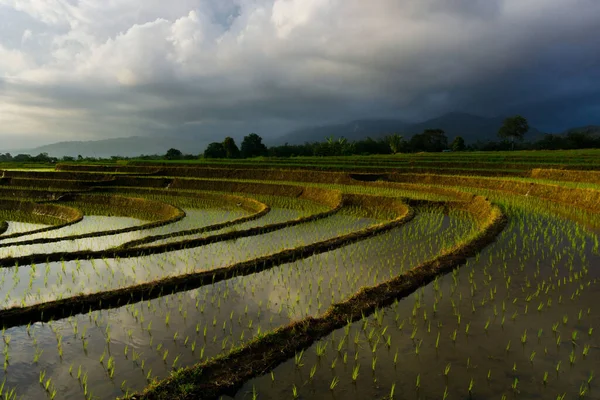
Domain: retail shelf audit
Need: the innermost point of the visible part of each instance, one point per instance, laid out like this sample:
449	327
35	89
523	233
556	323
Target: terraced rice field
273	280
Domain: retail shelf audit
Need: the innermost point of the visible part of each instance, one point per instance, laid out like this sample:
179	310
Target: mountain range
472	128
126	147
593	130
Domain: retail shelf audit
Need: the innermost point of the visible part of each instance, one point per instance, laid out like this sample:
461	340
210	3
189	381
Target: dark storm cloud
148	67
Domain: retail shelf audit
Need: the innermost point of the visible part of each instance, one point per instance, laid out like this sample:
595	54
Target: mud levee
131	206
3	227
62	215
58	212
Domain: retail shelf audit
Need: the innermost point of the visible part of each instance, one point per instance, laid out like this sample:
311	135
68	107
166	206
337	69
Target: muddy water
526	307
230	312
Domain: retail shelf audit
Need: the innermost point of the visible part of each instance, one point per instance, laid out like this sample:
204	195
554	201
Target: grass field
425	276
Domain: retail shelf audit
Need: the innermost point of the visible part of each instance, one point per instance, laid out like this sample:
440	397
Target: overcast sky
92	69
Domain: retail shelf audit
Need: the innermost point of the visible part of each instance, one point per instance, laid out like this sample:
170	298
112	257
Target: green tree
342	146
252	146
6	157
231	149
395	142
41	157
22	157
431	140
513	128
173	154
339	147
215	150
458	144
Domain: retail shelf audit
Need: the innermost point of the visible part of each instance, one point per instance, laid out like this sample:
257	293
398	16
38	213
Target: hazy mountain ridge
587	129
126	147
472	128
354	130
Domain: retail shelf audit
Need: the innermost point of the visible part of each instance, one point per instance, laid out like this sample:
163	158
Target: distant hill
354	130
471	127
588	130
126	147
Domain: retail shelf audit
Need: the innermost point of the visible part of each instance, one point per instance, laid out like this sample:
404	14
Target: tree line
430	140
510	135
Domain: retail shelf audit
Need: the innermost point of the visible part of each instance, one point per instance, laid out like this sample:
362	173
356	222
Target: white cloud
290	14
26	35
12	61
167	64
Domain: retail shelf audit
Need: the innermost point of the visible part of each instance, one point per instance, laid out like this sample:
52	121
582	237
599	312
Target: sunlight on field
457	276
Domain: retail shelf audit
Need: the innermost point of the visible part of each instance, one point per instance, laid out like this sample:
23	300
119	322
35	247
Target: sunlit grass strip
306	172
325	173
107	168
296	189
30	194
583	216
588	219
224	374
331	166
61	175
50	183
582	198
566	175
118	297
183	199
217	185
68	215
453	193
